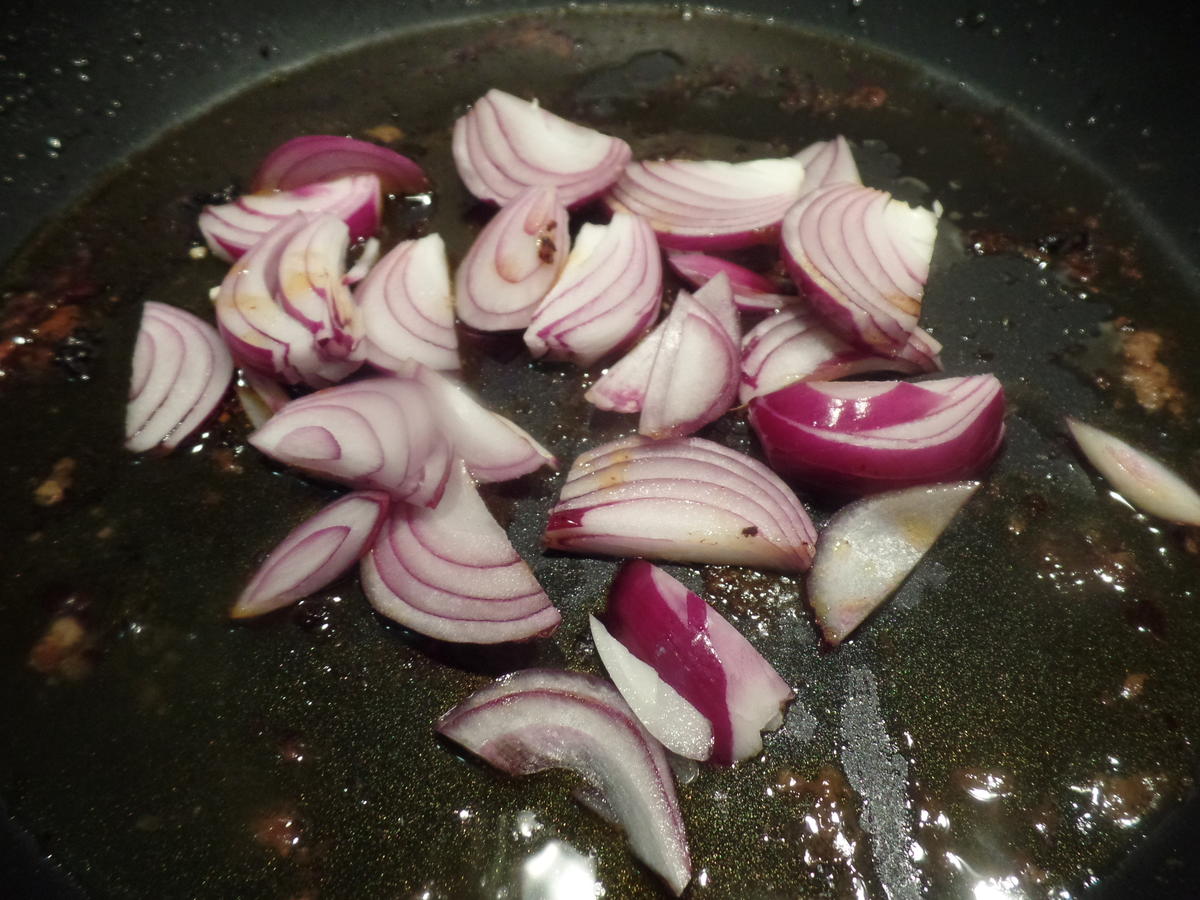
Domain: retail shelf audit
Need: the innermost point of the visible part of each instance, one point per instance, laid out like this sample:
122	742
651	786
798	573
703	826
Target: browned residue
385	133
827	827
64	650
282	833
1145	374
54	488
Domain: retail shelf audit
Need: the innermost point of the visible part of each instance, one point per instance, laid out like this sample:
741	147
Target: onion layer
378	433
869	548
231	229
505	144
753	293
795	345
539	719
869	436
322	157
314	554
181	369
609	293
1138	477
695	652
406	308
826	163
452	574
514	262
862	258
261	397
708	204
684	500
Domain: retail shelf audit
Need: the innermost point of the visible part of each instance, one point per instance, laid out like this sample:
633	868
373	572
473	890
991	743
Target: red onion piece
514	262
231	229
693	650
314	554
862	258
682	500
795	345
753	293
870	436
869	548
1138	477
261	397
181	370
452	574
622	386
367	257
323	157
538	719
695	376
284	308
378	433
406	308
493	447
609	293
826	163
708	204
505	144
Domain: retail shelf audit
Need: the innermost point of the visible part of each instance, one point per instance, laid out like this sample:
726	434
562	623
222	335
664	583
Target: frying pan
193	758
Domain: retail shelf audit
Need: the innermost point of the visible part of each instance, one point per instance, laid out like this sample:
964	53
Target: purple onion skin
837	468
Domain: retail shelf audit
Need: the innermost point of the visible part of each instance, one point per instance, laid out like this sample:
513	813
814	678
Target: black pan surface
1010	724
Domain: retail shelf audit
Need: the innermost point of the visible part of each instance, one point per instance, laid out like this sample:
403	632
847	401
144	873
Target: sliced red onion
862	258
505	144
284	308
514	262
692	650
378	433
609	293
261	397
181	370
493	448
406	308
324	157
695	376
539	719
826	163
870	436
683	500
707	204
753	293
231	229
869	548
795	345
451	573
367	257
622	386
314	554
1138	477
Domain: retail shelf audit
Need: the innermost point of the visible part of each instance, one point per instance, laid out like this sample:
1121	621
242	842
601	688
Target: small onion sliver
538	719
314	554
181	370
752	292
828	162
261	397
1138	477
451	573
323	157
869	548
622	386
406	308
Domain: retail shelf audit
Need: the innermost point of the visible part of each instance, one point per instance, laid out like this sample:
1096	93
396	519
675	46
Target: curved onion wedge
181	370
708	204
493	448
826	163
1137	476
406	308
315	158
869	436
622	386
693	652
862	259
231	229
869	548
753	293
505	144
314	554
378	433
795	345
539	719
452	574
514	262
684	500
609	293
